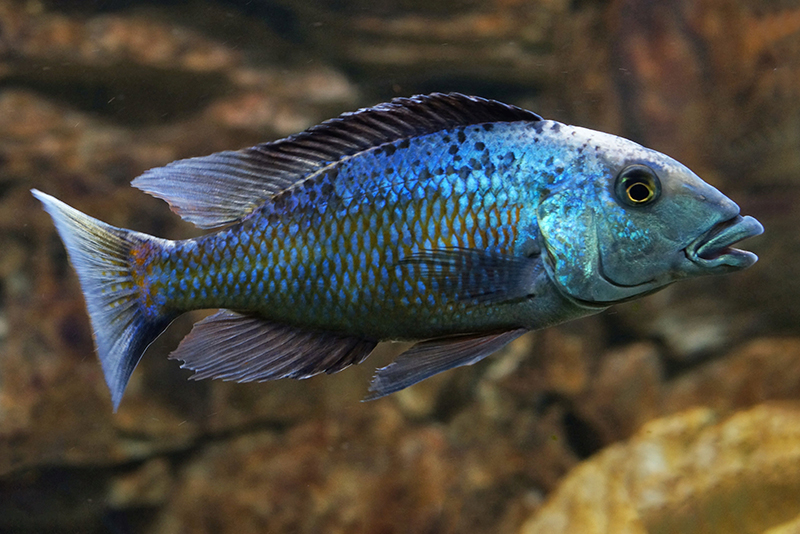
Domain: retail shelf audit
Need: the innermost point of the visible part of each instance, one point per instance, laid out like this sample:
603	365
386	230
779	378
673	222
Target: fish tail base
104	259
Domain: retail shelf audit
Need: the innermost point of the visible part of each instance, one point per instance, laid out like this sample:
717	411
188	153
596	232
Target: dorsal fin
214	190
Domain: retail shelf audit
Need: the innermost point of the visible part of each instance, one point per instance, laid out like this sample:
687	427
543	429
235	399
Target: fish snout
712	251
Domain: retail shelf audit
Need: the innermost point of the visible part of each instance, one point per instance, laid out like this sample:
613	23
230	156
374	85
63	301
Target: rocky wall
94	93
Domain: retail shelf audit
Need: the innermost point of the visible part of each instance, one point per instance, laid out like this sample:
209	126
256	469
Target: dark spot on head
424	174
456	158
446	138
461	136
485	159
556	127
453	149
464	172
597	148
475	164
488	126
537	126
403	144
450	169
389	149
312	195
327	189
549	161
438	170
388	170
559	170
480	145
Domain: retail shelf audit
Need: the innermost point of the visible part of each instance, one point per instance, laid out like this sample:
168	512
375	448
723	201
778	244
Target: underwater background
677	413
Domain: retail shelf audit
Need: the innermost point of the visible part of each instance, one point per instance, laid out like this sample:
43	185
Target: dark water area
675	413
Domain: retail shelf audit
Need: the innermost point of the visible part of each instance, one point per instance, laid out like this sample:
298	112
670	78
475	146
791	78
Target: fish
453	221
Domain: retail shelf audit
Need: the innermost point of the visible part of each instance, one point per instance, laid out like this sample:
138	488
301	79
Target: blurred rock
53	407
625	392
632	385
148	485
790	527
148	70
364	469
430	47
53	500
689	473
762	370
716	84
92	94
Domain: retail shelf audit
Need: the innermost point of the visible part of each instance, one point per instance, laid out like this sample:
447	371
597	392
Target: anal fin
247	348
428	358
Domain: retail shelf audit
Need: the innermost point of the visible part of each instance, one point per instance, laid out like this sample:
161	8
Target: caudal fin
100	254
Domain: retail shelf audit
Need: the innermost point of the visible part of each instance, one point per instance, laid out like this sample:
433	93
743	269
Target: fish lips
713	252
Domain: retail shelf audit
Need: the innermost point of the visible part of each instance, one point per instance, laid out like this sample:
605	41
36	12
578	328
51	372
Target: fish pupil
639	192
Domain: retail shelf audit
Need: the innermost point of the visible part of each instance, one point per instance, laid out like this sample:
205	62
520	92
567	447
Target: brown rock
764	369
688	473
53	405
146	486
625	393
90	99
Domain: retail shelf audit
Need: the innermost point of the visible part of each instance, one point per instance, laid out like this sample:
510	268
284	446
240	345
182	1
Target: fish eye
637	185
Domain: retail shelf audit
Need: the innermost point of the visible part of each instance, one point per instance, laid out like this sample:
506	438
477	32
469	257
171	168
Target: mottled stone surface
690	473
93	93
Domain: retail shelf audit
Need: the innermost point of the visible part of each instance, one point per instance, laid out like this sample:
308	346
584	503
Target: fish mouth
713	249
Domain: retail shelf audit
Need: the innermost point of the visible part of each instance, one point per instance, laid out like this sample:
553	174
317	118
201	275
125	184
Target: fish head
625	221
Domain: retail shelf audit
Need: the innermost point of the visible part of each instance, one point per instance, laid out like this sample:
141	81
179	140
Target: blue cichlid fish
451	219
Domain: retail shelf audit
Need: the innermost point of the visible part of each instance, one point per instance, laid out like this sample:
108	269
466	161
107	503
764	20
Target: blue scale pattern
327	252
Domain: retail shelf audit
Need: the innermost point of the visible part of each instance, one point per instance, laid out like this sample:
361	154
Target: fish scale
298	240
453	220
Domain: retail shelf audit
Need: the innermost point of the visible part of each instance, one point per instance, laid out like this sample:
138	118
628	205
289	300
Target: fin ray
434	356
246	348
221	188
464	274
99	253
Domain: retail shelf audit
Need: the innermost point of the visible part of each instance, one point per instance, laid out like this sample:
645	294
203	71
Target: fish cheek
639	245
628	254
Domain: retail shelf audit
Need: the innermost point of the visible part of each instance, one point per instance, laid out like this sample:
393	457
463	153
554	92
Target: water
92	94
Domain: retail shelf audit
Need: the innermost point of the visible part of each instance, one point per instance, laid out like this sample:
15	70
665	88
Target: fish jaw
712	251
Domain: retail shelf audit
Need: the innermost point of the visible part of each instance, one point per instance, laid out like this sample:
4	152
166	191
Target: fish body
455	220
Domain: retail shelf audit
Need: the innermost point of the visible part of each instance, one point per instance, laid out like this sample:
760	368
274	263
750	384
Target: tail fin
100	255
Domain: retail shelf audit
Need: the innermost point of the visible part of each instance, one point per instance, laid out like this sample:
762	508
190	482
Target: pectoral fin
428	358
246	348
485	277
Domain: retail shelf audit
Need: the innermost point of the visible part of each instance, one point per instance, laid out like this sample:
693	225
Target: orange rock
688	474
